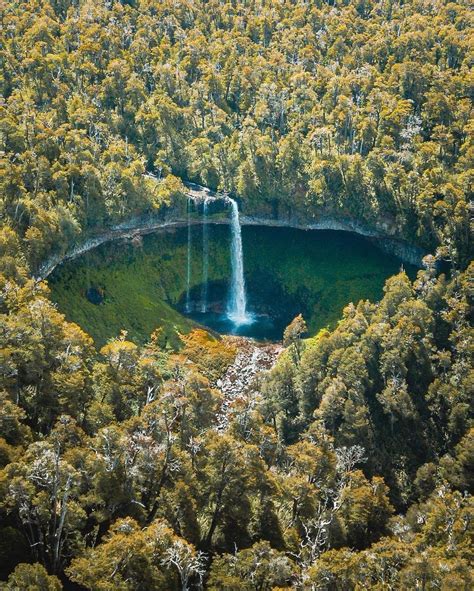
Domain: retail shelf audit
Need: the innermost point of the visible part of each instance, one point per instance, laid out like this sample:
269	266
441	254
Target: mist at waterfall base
257	324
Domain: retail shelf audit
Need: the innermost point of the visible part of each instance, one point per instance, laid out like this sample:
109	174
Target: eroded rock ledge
175	216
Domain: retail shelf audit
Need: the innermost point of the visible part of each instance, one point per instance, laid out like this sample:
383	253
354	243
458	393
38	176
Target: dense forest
350	464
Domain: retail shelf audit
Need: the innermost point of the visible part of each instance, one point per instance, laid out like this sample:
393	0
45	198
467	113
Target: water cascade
188	261
205	256
237	305
236	311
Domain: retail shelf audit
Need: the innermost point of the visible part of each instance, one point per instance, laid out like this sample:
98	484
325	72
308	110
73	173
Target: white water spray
188	262
205	257
237	305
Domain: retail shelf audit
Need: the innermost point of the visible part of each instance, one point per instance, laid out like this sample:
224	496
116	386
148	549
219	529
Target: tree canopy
348	465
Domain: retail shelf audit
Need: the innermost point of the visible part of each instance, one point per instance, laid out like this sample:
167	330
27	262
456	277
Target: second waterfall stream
205	257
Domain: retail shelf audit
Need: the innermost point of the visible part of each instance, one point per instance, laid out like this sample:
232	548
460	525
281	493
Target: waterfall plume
237	304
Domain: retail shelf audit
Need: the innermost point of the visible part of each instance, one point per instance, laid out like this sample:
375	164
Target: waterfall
236	308
188	261
237	302
205	256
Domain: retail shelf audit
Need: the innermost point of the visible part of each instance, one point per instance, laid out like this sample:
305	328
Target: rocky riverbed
241	382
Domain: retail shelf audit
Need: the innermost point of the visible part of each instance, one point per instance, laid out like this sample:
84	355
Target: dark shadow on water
262	327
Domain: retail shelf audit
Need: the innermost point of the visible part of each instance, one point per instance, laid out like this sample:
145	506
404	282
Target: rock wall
406	252
175	216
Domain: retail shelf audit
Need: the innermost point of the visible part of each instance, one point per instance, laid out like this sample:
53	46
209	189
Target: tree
228	473
42	492
33	577
257	568
292	336
133	558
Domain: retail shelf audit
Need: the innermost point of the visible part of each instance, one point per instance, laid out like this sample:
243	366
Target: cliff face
406	252
176	216
384	233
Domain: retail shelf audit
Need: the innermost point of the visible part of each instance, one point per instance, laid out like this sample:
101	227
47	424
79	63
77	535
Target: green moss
322	270
316	273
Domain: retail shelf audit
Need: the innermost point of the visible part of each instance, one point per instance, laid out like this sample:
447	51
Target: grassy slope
141	284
